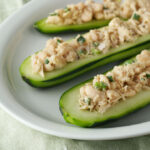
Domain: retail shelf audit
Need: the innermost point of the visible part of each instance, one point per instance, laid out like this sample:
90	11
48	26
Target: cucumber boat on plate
79	67
88	15
72	113
82	16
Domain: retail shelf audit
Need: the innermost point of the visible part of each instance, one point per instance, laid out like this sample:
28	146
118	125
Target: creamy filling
117	85
59	53
89	10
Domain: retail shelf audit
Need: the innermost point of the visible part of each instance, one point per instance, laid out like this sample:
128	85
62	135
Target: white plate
39	109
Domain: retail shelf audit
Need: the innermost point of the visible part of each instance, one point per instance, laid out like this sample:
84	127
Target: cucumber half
71	112
44	27
79	67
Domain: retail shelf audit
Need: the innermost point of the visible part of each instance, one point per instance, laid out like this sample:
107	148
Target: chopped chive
110	78
53	14
129	62
95	51
87	100
143	79
46	61
136	16
105	8
100	85
66	9
147	75
81	39
59	41
95	44
80	52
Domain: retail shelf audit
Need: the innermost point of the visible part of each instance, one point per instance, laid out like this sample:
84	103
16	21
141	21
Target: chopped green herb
129	62
136	16
53	14
147	75
58	41
110	78
46	61
105	8
143	79
87	100
95	44
81	52
66	9
95	51
100	85
81	39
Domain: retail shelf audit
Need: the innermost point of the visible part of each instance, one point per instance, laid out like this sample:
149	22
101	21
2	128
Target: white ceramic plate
39	109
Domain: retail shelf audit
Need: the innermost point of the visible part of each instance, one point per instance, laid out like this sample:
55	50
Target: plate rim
56	129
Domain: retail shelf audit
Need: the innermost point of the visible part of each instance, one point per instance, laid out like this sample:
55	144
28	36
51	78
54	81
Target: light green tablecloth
16	136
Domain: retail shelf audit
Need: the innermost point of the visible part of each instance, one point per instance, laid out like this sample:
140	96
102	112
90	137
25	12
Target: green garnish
110	78
129	62
105	8
54	14
95	44
95	51
100	85
59	41
136	16
87	100
81	39
143	79
81	52
66	9
46	61
147	75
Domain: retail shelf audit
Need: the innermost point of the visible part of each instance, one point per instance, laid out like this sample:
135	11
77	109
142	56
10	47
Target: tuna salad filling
117	85
89	10
59	53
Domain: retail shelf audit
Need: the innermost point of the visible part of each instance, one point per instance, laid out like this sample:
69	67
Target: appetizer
88	15
62	60
109	96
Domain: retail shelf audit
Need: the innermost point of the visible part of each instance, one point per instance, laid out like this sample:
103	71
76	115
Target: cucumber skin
115	57
47	29
69	119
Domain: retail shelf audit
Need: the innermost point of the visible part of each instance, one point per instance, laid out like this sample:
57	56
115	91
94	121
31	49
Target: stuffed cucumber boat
109	96
75	69
62	60
87	15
